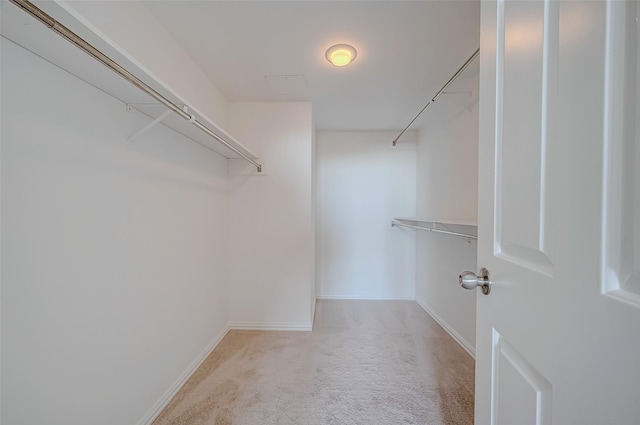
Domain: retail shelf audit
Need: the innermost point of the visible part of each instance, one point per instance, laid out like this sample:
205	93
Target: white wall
447	188
362	183
270	224
113	253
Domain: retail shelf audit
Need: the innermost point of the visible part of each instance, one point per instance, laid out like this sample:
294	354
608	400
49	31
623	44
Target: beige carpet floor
365	362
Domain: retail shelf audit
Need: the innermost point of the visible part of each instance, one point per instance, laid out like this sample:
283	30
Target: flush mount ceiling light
341	54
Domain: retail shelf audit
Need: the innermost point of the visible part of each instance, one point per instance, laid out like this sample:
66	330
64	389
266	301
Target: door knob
469	280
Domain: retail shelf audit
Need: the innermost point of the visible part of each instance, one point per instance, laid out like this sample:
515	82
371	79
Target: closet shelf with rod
438	226
439	92
114	72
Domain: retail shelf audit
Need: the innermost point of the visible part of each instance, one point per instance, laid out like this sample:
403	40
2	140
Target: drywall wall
270	224
447	188
362	183
113	252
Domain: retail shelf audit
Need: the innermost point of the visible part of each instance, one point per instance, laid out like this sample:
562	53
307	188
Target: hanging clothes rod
435	97
83	45
430	229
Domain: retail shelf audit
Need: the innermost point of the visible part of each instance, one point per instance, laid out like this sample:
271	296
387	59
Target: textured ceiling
272	50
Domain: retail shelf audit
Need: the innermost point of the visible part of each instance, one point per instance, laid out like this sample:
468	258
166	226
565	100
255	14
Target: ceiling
274	51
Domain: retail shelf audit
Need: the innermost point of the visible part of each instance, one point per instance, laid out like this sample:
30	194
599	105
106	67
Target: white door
558	337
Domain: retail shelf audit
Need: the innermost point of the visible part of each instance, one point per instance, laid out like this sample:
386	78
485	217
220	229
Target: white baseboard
313	312
173	390
270	326
455	335
162	403
363	297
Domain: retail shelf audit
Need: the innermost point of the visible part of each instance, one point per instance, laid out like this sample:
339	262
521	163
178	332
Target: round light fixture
341	54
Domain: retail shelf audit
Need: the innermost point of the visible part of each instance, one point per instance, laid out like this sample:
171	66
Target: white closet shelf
26	31
444	221
179	125
469	230
439	92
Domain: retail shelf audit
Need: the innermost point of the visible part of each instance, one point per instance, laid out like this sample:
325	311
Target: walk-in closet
145	216
319	212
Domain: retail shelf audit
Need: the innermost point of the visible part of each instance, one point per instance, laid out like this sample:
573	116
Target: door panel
520	395
559	213
526	50
621	179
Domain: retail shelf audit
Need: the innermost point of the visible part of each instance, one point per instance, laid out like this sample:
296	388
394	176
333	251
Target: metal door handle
469	280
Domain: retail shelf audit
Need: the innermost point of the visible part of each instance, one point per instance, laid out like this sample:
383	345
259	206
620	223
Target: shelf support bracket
148	126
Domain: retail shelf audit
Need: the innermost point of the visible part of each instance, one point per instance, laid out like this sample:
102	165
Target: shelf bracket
148	126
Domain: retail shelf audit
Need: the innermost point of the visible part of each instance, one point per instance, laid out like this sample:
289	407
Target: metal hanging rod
435	97
83	45
430	229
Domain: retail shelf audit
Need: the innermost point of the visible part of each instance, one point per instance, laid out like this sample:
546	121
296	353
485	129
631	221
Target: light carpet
365	362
